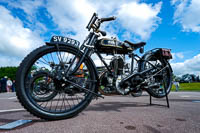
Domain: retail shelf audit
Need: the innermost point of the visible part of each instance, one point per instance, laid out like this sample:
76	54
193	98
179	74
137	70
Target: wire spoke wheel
46	88
159	78
42	87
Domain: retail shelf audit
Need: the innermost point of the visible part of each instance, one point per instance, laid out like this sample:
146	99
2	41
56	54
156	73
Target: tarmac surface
114	114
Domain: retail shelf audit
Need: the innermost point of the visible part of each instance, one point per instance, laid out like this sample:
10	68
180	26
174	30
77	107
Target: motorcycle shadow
115	106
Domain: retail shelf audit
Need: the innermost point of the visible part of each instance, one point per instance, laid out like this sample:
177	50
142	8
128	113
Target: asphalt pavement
114	114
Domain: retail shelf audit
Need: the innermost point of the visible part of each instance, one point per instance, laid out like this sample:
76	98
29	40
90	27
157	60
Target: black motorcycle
59	80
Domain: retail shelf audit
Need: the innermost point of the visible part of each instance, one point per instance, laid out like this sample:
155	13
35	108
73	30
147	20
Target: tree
10	72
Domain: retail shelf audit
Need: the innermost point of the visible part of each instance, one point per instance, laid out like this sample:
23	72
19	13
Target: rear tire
137	94
166	75
57	107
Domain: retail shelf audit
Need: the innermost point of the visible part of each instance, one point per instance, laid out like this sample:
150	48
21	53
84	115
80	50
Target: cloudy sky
175	24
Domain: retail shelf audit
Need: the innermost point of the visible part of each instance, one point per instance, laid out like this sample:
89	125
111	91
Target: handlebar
95	23
92	21
107	19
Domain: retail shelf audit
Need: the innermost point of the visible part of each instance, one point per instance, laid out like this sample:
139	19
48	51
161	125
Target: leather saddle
135	45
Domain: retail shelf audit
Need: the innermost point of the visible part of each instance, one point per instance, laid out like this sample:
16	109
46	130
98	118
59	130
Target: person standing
0	86
176	85
13	86
3	84
9	85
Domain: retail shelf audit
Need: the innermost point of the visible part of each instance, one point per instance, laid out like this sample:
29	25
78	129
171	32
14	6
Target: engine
110	84
117	65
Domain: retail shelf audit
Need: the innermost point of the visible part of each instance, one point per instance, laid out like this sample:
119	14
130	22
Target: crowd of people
7	85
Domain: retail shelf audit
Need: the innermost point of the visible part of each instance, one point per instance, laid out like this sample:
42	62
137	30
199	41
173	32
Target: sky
174	24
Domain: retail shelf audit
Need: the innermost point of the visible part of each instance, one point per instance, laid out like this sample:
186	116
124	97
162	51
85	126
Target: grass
187	87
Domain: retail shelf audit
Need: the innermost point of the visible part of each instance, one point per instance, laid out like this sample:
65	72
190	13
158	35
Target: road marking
12	97
9	98
11	110
189	96
3	98
196	101
185	96
14	124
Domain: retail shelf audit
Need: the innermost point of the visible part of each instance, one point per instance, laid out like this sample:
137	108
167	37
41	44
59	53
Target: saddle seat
135	45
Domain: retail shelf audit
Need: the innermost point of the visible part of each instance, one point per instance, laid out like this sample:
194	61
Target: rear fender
154	52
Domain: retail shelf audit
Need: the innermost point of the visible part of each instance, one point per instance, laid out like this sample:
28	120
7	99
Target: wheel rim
68	97
163	78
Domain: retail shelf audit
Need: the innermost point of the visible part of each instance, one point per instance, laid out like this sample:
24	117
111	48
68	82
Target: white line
12	97
3	98
196	101
9	98
189	96
11	110
185	96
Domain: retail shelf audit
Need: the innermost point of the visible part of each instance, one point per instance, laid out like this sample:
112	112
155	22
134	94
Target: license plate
64	40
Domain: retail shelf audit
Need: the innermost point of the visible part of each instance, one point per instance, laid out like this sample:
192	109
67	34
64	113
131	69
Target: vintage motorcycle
59	80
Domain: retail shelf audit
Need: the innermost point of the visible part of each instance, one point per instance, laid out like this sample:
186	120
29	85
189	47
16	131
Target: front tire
69	100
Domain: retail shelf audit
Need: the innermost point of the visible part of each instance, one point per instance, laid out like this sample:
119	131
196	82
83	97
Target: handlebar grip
92	21
108	19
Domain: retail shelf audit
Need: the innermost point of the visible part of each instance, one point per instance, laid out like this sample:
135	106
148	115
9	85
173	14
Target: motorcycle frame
89	48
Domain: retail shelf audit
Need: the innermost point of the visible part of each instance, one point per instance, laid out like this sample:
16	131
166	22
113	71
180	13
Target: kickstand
166	95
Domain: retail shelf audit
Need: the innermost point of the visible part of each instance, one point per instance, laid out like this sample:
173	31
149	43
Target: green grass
187	87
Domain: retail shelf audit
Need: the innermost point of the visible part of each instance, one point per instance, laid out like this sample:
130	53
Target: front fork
87	47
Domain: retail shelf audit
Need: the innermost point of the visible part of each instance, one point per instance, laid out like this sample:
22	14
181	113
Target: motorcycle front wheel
60	99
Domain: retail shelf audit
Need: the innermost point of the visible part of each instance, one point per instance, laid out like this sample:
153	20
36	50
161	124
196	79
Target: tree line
10	72
187	78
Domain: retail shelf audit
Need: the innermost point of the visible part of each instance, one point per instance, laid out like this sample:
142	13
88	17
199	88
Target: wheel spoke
43	62
52	94
57	102
52	58
160	76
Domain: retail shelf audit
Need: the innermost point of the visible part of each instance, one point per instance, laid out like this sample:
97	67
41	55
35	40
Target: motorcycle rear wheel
166	75
137	94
